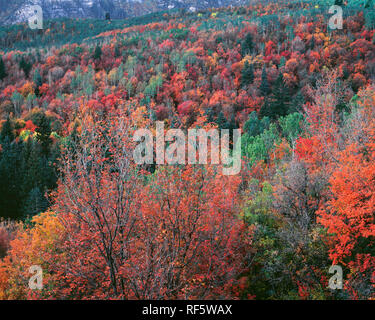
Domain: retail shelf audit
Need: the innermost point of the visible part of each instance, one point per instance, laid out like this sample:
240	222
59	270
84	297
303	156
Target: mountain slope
16	11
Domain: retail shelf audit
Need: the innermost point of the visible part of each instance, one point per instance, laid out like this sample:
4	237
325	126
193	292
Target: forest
73	202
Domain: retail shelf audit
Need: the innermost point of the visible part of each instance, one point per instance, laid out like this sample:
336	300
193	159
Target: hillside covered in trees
101	227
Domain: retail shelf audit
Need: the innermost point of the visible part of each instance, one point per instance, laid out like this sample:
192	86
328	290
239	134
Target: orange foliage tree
171	235
348	214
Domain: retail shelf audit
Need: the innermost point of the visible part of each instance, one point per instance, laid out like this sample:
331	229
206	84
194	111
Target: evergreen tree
278	103
264	85
209	113
27	170
232	124
297	103
312	43
282	62
39	177
117	51
221	121
247	74
97	53
247	45
37	78
44	134
339	2
254	126
35	173
8	173
6	134
11	180
52	166
3	73
35	203
25	66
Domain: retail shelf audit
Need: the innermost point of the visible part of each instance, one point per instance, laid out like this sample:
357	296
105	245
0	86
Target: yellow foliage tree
36	245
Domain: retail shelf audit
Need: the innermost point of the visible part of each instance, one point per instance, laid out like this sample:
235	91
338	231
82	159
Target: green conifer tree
38	81
3	73
247	45
44	134
97	53
25	66
247	74
278	103
264	85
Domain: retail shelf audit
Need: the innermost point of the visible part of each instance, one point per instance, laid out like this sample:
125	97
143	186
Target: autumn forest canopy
73	202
